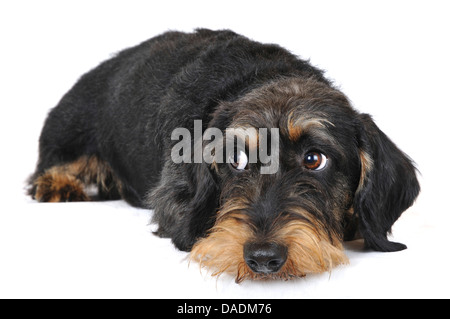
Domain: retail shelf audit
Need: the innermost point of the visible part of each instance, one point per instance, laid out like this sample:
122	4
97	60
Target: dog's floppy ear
184	203
387	188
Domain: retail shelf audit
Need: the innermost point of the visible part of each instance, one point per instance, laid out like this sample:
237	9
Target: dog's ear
184	203
388	186
204	200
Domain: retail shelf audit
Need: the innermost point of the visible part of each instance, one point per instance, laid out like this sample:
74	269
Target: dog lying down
250	158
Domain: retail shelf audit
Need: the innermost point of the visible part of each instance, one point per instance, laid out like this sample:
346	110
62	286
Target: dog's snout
265	258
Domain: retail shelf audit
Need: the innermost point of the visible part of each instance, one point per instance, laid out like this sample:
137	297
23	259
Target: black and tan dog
337	174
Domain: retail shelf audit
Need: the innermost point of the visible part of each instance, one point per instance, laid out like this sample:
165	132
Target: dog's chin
245	273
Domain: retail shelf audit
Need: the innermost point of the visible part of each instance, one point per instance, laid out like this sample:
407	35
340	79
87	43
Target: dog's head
335	173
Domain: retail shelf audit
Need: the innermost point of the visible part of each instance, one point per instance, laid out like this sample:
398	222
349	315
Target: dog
336	175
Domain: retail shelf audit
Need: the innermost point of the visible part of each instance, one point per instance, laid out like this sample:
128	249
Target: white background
390	57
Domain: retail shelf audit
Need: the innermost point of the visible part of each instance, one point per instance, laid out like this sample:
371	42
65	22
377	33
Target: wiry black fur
389	190
124	111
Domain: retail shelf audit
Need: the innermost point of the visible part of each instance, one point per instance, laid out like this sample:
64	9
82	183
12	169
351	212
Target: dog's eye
315	161
239	160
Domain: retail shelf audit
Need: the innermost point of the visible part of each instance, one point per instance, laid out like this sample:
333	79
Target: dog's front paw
54	187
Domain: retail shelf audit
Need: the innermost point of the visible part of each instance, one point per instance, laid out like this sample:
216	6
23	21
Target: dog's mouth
247	273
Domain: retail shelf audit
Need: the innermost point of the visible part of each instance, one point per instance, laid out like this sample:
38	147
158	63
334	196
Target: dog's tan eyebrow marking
248	134
294	131
303	124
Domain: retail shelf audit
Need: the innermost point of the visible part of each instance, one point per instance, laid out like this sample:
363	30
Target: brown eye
315	161
239	161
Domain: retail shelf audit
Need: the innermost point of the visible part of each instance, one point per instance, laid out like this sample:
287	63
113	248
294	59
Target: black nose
265	258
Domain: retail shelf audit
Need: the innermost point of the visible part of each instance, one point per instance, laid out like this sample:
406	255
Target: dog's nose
265	258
